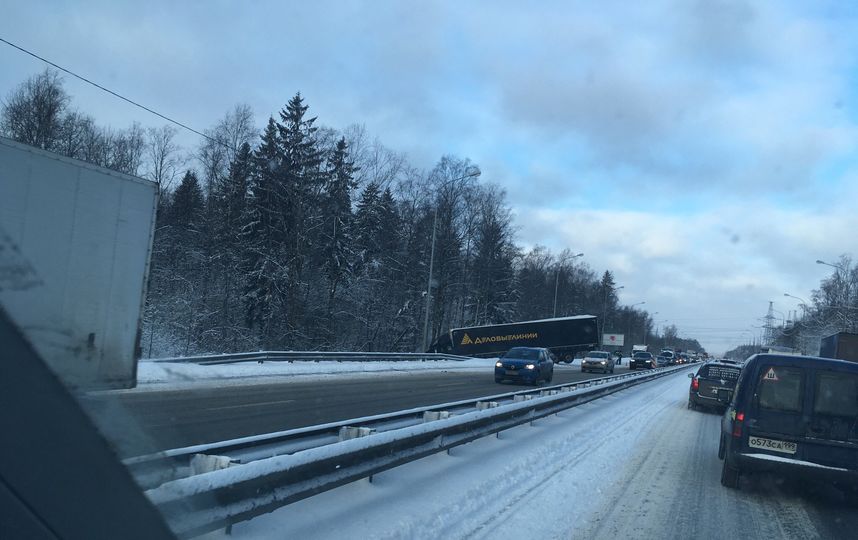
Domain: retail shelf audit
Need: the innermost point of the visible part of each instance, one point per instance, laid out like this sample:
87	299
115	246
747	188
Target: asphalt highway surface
144	422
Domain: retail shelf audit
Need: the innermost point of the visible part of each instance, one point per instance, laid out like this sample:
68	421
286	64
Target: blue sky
705	151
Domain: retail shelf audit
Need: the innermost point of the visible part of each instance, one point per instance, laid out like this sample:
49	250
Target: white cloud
695	147
727	261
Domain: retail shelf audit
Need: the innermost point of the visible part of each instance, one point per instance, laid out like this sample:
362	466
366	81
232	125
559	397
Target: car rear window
780	388
726	373
644	355
522	354
836	394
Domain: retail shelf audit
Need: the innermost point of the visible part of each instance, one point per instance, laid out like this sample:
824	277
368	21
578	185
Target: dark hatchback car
713	385
525	364
642	359
794	415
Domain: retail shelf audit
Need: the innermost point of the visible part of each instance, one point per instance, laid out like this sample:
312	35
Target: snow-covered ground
178	375
636	464
164	375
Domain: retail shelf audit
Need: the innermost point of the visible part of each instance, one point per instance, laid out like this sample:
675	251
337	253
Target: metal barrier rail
309	356
209	501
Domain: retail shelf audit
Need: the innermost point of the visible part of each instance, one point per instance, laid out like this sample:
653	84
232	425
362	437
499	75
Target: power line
111	92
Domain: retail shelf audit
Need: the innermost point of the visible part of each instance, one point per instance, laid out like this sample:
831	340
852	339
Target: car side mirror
691	375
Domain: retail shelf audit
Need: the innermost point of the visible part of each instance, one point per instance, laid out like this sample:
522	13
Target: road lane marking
256	404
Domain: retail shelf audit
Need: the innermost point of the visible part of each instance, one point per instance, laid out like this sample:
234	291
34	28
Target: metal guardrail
296	464
309	356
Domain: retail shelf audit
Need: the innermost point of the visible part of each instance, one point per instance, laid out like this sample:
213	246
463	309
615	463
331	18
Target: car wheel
612	370
550	377
729	475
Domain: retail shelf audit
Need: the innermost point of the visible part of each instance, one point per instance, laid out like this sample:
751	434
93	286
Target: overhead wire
115	94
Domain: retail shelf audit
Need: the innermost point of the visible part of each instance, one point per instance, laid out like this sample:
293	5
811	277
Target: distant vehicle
682	358
598	361
664	358
565	336
796	415
713	385
75	240
642	359
842	345
525	364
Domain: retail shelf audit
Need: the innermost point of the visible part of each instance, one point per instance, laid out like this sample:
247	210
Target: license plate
511	372
783	447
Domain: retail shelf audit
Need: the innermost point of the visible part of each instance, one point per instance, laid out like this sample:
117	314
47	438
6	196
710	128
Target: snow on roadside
176	375
559	468
161	376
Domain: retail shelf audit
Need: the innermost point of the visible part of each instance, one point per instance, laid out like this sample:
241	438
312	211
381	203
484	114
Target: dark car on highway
795	415
525	364
712	385
642	359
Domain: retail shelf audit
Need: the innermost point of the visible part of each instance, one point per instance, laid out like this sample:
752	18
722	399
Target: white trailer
75	241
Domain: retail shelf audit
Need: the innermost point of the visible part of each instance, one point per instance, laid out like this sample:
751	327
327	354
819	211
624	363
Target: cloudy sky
702	150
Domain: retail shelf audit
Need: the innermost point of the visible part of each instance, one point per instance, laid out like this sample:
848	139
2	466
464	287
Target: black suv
642	359
795	415
712	385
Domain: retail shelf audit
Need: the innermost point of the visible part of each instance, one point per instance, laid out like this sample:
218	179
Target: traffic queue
789	415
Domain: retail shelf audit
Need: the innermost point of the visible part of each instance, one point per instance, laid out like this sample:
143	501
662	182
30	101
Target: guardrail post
521	397
203	463
355	432
431	416
483	405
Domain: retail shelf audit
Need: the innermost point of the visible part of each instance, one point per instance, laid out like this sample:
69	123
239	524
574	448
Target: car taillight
737	424
695	384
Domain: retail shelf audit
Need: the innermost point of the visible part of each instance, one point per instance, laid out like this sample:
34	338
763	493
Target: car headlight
530	366
603	361
498	364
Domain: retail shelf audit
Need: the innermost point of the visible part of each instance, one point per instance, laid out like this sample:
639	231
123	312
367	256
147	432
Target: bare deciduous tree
33	112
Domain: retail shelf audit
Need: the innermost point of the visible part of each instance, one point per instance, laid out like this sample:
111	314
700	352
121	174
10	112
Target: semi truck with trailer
842	345
564	336
75	242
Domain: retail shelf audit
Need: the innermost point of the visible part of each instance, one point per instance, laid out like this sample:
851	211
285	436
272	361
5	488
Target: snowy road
636	464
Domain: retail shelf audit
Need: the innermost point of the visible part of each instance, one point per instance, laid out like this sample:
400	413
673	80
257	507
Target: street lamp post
474	172
557	278
630	318
605	309
644	332
804	303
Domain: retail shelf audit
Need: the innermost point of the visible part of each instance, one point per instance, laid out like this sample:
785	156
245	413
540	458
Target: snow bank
165	375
